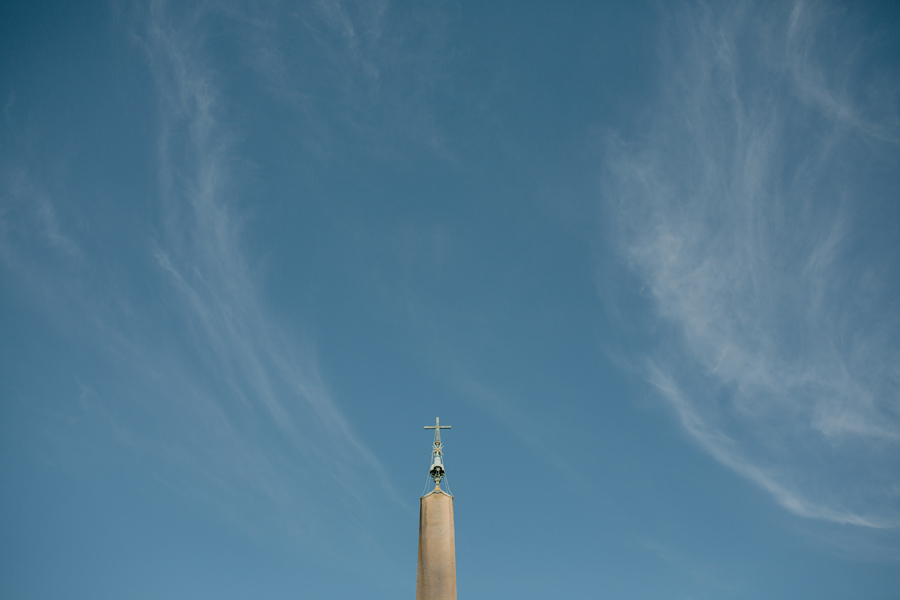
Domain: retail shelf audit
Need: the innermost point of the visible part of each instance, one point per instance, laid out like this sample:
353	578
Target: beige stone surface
436	577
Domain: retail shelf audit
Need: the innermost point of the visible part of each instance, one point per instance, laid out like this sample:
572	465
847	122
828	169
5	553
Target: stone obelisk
436	577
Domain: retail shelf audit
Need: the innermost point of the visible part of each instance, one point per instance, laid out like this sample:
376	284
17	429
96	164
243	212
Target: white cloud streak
23	200
743	212
275	418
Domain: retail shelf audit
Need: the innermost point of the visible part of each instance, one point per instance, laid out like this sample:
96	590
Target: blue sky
641	257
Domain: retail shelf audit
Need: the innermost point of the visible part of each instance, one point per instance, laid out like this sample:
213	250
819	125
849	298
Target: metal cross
437	430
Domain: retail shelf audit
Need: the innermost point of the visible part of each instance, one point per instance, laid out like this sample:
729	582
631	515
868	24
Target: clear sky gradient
642	257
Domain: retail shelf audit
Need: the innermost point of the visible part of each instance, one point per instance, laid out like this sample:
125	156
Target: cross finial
437	430
437	453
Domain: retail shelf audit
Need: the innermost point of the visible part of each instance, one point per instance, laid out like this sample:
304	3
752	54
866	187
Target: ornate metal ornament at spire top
437	452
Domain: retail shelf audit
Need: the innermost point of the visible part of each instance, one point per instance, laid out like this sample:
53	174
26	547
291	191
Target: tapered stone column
436	577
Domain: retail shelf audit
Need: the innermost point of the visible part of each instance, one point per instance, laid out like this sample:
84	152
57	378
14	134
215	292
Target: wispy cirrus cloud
745	213
25	201
204	387
269	407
